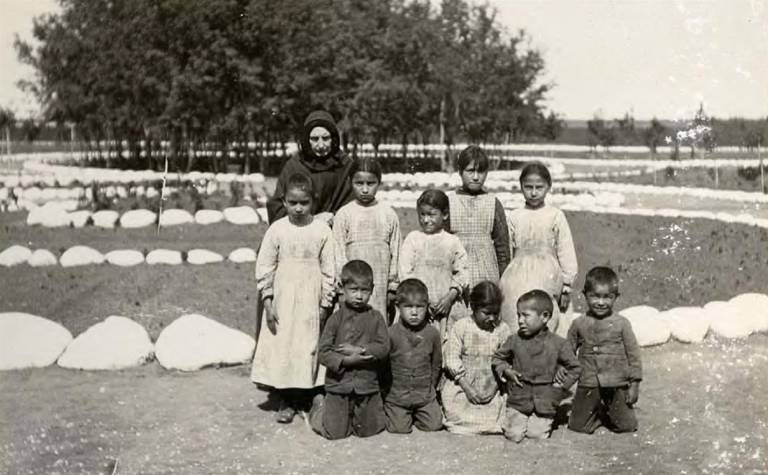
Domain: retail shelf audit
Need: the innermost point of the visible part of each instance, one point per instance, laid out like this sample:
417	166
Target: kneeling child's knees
514	436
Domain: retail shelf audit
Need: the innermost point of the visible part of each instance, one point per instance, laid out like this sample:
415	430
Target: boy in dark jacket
353	347
528	363
415	362
610	360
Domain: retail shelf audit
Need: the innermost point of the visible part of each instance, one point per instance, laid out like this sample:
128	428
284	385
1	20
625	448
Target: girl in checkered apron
543	253
478	219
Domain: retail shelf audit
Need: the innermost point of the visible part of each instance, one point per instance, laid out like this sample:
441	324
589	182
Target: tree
654	135
599	133
7	121
552	127
30	129
626	133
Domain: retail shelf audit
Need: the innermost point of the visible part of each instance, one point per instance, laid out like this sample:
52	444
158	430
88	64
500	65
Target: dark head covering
320	118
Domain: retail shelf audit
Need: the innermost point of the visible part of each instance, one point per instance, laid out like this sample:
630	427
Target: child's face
413	310
486	317
320	141
298	205
357	293
535	189
364	186
431	219
472	178
600	299
529	319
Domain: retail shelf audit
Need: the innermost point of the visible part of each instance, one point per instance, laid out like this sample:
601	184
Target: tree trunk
8	139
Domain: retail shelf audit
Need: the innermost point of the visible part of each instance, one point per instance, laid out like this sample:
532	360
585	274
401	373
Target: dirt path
702	410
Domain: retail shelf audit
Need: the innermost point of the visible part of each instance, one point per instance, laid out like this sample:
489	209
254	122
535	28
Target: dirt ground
702	408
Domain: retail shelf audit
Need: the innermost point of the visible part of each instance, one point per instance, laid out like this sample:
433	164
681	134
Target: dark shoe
285	415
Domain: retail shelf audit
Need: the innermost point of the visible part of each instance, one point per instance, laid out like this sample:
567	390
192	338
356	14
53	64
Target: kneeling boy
415	361
353	348
528	363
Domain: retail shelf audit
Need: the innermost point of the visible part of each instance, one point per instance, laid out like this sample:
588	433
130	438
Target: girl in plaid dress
368	230
471	398
478	219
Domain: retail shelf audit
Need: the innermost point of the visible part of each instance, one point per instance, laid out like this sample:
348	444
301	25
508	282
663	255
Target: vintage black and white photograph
383	236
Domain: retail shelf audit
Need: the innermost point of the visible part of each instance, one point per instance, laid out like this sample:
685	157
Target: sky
649	57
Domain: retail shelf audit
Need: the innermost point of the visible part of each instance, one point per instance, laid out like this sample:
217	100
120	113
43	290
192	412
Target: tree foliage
197	72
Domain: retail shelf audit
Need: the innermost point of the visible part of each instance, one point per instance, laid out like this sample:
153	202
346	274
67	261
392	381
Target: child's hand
560	376
633	393
565	300
349	349
443	306
271	316
472	396
511	375
324	313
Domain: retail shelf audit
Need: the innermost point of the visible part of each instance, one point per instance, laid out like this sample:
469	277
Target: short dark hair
485	294
300	181
356	271
434	198
411	287
366	164
601	275
536	168
539	300
473	154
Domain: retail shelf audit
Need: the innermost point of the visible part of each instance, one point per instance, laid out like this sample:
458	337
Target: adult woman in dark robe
321	158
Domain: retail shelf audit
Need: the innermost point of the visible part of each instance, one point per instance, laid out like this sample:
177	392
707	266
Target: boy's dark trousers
342	415
593	407
401	419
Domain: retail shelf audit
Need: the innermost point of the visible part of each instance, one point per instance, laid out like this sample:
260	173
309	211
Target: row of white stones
57	214
189	343
83	255
193	341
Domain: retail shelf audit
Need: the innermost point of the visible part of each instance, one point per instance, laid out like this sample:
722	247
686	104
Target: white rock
115	343
124	257
51	215
14	256
137	218
164	256
649	328
193	341
203	256
29	341
42	258
241	215
208	216
727	321
173	217
80	256
105	218
688	324
243	254
753	306
79	218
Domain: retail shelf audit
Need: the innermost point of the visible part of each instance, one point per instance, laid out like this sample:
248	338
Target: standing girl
478	219
471	398
438	259
368	230
295	277
543	253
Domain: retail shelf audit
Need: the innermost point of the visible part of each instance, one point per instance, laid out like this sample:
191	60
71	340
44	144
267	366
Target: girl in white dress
543	254
295	273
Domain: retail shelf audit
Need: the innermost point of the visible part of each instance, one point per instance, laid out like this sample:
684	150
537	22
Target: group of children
452	328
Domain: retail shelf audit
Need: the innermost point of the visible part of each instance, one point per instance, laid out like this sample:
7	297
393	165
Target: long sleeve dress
296	268
371	234
544	258
440	261
467	354
480	223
